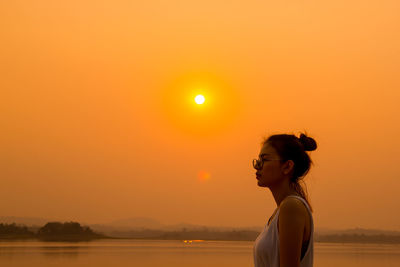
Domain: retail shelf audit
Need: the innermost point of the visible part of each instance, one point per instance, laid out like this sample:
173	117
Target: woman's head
284	157
290	147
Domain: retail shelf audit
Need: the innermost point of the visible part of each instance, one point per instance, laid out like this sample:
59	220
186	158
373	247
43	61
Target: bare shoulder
292	206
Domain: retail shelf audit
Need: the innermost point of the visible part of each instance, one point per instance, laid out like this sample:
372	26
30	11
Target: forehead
267	150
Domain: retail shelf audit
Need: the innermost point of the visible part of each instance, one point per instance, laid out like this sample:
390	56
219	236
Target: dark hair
290	147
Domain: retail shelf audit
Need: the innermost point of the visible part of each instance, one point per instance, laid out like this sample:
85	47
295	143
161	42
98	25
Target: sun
199	99
199	103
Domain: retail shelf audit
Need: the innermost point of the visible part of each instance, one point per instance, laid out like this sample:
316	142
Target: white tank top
266	247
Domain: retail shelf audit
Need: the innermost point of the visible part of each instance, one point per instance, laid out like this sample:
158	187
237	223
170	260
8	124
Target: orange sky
98	123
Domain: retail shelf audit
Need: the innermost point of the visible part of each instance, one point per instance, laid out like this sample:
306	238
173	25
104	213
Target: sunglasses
259	163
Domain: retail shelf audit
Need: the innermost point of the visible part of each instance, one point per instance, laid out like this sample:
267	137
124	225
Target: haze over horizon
140	223
99	123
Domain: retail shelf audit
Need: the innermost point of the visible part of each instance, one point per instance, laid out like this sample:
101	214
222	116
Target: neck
281	191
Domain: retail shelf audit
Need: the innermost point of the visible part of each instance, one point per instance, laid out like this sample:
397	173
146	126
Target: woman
287	239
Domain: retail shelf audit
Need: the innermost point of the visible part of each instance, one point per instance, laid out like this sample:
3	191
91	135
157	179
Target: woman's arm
291	223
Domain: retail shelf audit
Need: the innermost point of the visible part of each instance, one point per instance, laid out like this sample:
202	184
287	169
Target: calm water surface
145	253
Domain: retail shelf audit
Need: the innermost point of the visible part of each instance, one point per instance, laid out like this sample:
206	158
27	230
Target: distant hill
137	222
126	227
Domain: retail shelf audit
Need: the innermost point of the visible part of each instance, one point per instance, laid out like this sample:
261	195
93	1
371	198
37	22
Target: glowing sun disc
199	99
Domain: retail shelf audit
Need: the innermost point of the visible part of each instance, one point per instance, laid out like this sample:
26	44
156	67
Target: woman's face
268	167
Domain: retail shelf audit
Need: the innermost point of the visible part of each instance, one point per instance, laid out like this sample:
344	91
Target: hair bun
308	143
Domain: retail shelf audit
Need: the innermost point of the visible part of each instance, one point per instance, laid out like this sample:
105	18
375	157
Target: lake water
146	253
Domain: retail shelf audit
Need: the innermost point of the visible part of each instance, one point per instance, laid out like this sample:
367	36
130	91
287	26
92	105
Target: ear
287	167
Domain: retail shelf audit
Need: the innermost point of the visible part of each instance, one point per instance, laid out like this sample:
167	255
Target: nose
256	164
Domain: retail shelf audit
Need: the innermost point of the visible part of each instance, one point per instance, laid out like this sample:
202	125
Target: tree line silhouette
73	231
359	238
11	231
51	231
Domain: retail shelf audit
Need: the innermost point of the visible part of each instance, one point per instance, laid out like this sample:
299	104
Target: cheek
269	170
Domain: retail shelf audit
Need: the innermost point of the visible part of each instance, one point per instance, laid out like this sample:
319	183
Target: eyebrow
263	154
